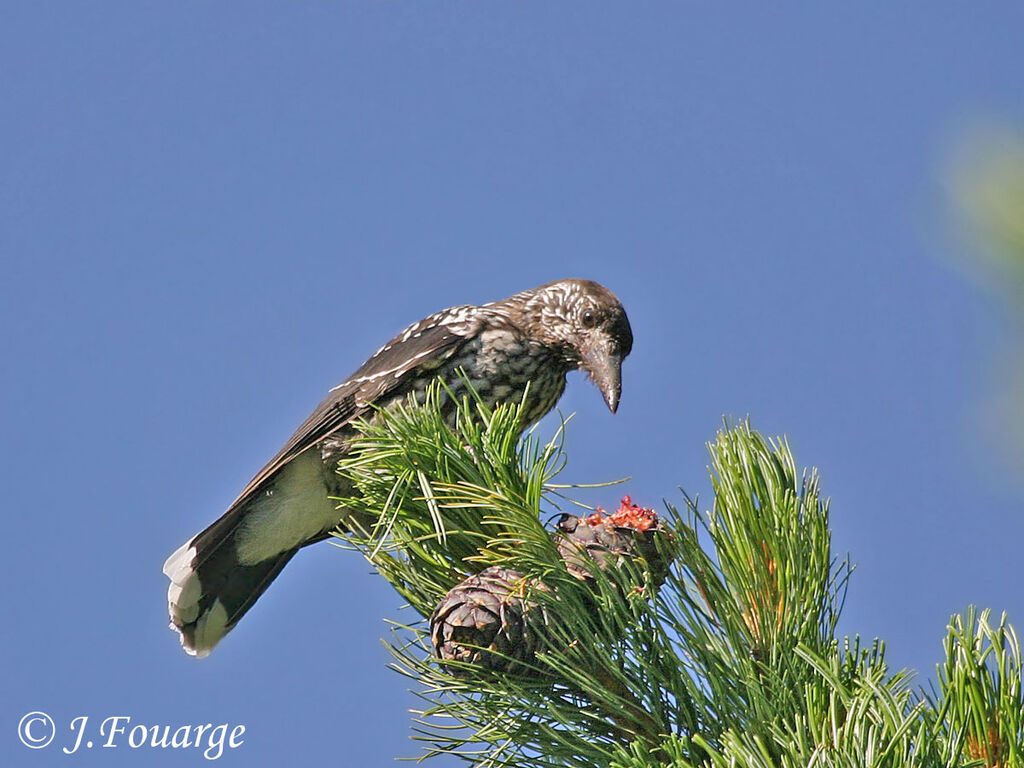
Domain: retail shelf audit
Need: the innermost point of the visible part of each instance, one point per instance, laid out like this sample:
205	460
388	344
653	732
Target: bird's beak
605	368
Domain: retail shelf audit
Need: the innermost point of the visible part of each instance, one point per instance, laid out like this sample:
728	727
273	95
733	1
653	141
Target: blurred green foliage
988	189
989	184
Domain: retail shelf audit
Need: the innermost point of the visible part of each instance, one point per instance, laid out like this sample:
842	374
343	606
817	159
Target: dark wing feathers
420	348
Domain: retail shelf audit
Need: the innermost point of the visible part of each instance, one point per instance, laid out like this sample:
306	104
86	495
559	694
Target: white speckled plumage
531	338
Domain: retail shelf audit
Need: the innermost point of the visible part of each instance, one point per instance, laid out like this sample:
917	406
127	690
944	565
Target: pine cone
487	621
629	532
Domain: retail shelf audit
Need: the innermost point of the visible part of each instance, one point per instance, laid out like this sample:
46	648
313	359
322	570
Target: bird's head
587	325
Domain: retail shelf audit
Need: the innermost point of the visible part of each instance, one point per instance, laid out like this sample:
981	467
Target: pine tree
687	639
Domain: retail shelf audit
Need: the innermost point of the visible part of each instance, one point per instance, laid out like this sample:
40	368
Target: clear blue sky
210	213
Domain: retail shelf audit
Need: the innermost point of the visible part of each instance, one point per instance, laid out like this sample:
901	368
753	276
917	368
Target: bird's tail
211	589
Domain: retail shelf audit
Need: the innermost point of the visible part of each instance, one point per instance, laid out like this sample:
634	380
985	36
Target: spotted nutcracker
536	336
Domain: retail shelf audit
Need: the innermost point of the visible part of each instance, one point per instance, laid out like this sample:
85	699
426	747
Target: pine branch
605	657
980	703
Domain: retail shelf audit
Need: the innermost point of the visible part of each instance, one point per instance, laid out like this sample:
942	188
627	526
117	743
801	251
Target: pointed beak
605	368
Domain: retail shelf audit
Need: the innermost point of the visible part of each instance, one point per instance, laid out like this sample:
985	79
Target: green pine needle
732	661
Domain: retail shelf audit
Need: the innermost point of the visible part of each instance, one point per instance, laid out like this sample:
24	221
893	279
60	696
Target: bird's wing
420	348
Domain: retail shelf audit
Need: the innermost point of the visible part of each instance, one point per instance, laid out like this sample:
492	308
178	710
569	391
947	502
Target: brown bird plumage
536	336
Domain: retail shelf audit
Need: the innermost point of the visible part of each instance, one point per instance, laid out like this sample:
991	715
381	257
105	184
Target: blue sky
212	213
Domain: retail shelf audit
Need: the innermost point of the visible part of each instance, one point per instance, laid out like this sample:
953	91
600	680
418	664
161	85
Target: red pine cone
630	531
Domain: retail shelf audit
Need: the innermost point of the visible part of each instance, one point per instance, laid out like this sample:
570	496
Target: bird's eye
589	318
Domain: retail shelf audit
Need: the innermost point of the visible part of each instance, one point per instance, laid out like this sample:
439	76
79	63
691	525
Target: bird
535	336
